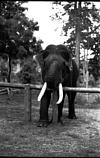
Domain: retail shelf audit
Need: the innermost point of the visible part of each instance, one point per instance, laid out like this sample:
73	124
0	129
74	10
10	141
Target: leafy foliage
4	71
94	63
19	29
85	17
29	73
16	32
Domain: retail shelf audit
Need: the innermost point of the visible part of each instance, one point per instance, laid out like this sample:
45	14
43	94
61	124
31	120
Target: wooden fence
27	93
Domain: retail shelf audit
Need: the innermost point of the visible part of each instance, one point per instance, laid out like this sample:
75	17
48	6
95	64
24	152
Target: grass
77	138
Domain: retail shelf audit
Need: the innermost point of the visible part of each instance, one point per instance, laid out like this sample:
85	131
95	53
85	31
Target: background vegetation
17	40
18	43
83	22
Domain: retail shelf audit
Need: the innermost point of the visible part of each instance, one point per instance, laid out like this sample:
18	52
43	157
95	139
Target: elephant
59	70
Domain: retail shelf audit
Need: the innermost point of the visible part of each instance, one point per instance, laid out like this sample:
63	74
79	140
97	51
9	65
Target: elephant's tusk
42	91
60	94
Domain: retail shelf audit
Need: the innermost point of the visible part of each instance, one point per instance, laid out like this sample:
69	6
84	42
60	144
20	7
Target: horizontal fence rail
27	93
82	90
19	85
76	89
38	87
12	85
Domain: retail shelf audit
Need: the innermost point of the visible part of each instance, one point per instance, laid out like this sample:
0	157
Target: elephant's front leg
44	105
71	98
60	110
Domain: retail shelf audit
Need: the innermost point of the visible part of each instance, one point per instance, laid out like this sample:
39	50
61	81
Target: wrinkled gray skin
57	69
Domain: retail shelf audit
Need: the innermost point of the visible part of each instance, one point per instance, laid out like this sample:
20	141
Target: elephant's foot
43	123
60	121
72	116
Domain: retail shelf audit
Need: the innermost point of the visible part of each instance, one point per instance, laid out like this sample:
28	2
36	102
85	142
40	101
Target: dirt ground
76	138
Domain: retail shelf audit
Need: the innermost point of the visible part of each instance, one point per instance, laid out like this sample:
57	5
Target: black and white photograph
49	78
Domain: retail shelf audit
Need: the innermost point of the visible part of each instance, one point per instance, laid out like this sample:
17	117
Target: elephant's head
56	65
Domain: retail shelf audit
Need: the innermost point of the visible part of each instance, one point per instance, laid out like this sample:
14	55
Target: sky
49	31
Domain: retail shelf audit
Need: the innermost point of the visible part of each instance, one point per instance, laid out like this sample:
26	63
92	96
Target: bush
29	73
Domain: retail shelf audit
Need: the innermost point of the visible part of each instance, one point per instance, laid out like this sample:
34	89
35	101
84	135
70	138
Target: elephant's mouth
44	88
52	86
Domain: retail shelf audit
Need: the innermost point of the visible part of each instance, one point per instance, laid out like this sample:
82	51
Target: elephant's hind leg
71	112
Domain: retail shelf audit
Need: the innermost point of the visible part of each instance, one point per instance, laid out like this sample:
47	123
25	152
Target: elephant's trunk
44	89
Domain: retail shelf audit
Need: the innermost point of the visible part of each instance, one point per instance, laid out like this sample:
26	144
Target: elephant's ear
45	54
67	54
69	62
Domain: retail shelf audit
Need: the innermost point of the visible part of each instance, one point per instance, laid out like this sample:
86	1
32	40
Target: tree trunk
77	48
78	36
9	72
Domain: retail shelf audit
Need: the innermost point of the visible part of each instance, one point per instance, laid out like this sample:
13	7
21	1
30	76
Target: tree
83	23
81	16
16	32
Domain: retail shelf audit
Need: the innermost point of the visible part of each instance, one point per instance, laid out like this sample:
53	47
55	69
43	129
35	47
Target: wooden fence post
27	102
